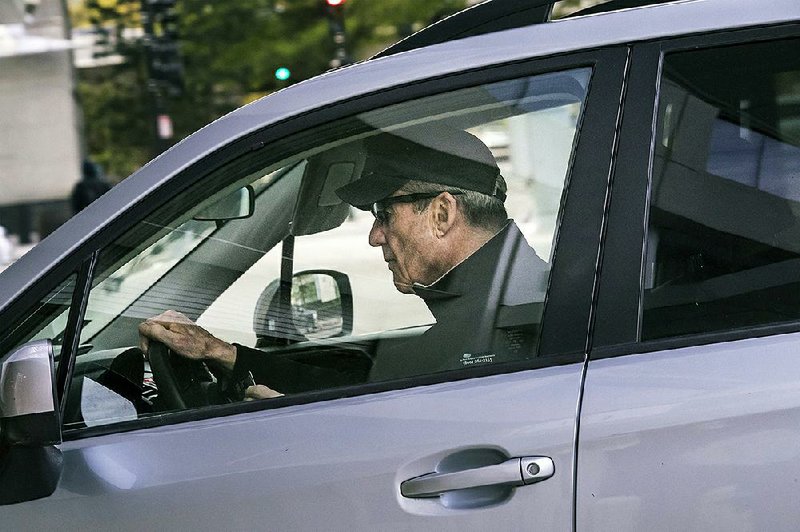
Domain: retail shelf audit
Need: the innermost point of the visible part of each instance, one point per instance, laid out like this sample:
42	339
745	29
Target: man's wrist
223	353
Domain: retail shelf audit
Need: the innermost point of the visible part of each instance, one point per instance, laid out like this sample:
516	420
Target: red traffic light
335	3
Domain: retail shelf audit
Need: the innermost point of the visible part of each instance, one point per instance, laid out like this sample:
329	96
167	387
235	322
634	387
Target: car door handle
518	471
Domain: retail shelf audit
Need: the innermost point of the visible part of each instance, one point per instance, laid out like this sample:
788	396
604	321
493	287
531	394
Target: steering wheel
182	382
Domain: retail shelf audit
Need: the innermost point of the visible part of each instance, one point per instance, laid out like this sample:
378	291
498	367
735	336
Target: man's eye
382	217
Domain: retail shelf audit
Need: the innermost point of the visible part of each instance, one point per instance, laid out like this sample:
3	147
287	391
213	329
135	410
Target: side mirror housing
30	424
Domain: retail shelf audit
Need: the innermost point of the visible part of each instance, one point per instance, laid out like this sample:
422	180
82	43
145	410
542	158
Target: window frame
565	322
618	313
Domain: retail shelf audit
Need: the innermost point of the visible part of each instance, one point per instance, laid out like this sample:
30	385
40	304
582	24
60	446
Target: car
652	156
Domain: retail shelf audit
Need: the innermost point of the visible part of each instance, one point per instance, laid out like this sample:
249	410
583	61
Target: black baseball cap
449	157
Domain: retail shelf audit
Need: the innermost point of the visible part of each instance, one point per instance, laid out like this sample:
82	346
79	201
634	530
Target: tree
230	52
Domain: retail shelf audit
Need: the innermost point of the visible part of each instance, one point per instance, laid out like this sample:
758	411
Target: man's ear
444	210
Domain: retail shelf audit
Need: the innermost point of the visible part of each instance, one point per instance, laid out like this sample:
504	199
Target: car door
339	456
691	409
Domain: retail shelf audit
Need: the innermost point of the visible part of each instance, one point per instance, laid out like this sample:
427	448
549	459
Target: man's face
409	246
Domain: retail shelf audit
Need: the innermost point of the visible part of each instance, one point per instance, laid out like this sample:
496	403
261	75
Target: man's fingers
150	330
173	316
184	337
145	332
144	343
259	391
168	319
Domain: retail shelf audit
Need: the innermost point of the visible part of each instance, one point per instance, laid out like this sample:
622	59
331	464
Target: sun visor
318	207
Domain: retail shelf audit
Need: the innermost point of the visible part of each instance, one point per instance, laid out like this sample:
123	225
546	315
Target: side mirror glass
319	303
236	205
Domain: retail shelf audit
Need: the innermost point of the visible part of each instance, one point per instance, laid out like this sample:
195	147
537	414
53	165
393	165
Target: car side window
285	257
723	244
47	320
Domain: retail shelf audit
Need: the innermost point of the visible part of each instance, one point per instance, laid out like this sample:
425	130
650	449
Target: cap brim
362	193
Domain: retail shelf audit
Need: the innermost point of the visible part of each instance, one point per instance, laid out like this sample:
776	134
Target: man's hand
259	391
186	338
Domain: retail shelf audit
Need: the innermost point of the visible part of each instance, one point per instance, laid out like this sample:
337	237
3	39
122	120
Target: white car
652	155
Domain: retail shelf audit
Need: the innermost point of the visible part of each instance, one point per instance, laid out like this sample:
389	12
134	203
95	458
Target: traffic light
334	11
283	74
166	66
160	21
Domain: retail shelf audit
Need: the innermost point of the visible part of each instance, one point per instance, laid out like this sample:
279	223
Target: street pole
164	67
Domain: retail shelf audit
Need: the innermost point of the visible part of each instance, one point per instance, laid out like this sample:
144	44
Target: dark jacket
487	310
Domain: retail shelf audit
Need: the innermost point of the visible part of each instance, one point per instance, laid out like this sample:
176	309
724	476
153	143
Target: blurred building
40	140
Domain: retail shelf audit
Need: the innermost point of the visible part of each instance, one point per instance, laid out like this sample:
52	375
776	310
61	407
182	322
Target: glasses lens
379	207
379	212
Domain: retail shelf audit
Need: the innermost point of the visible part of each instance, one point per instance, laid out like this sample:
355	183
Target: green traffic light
282	74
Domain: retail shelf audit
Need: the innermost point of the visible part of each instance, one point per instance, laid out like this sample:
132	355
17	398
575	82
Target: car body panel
343	459
699	438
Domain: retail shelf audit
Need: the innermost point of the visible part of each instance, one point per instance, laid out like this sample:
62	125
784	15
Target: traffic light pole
162	123
335	13
164	66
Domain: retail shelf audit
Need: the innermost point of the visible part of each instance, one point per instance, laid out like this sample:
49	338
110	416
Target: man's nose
376	235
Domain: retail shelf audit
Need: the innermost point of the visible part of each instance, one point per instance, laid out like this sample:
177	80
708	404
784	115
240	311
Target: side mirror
322	304
319	304
236	205
30	424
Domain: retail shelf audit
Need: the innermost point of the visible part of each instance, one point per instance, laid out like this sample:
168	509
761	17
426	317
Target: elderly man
442	226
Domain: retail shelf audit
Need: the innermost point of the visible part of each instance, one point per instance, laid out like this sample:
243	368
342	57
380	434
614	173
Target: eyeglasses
380	213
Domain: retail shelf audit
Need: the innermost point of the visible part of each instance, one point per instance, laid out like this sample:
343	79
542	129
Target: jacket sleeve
288	376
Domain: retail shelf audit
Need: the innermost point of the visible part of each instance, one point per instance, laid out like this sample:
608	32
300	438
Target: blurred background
90	90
